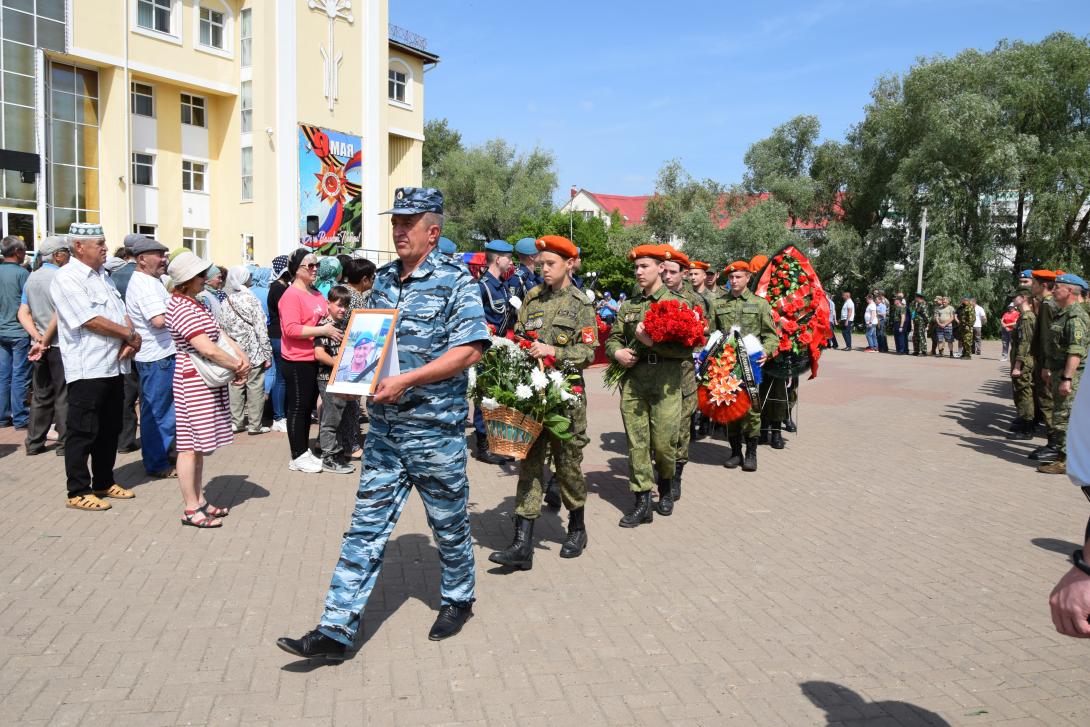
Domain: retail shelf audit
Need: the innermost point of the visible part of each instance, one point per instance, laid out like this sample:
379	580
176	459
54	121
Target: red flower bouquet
721	396
800	311
666	321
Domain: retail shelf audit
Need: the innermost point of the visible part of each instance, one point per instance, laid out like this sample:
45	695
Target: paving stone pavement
891	566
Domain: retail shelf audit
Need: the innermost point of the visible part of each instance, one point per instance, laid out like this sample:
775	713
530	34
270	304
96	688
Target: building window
193	174
211	28
247	248
398	82
154	14
247	107
143	99
71	145
247	168
143	169
143	229
193	110
196	240
246	38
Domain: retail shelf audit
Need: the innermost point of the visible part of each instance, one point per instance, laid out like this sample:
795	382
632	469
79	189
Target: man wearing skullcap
1066	359
1042	285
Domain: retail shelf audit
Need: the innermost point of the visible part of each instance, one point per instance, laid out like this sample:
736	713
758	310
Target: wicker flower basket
510	432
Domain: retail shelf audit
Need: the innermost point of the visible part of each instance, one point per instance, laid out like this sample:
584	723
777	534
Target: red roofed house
590	204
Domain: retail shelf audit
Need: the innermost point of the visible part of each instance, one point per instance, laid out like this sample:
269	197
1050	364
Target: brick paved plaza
903	580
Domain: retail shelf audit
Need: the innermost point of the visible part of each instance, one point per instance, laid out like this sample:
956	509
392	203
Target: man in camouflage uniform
651	389
560	320
1066	360
699	274
966	316
740	309
1041	285
921	318
1023	365
416	437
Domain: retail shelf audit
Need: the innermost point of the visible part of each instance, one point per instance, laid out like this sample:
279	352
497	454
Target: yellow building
237	128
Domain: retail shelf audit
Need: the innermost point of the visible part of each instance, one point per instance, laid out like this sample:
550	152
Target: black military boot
735	458
700	427
665	505
521	552
576	542
775	438
552	494
763	439
641	513
1053	449
484	455
789	425
749	464
1048	449
675	484
1024	432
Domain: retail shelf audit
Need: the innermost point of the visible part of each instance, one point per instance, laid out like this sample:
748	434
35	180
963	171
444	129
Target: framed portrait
367	354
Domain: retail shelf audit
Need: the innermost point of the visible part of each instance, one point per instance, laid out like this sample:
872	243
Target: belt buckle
652	358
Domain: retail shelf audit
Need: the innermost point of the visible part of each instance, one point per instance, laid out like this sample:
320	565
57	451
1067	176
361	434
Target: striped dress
203	415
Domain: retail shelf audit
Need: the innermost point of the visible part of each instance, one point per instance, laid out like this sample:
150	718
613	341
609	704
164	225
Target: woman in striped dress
203	415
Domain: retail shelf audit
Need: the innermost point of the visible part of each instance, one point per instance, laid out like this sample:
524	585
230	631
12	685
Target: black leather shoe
576	542
641	513
735	458
520	554
749	464
665	505
450	620
1049	448
313	645
31	451
128	449
1051	454
552	494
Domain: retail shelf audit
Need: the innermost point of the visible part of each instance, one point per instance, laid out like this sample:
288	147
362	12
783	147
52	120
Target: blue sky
614	89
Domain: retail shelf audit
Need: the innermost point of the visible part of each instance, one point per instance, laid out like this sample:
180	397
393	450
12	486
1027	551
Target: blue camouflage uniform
416	442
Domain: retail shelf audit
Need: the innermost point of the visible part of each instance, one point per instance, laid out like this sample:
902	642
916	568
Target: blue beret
526	246
1026	274
1071	279
499	246
578	252
447	246
414	200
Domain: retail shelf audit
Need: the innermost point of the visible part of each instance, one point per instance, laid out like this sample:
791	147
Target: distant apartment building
239	129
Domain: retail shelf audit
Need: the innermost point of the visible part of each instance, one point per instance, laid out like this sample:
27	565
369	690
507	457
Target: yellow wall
113	109
312	28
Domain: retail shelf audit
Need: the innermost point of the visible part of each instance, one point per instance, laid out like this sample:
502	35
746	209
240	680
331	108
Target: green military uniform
966	317
752	315
565	320
1068	335
1022	357
651	393
1042	392
921	318
688	381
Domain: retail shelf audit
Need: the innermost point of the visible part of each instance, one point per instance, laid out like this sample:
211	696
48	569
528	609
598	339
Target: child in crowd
337	415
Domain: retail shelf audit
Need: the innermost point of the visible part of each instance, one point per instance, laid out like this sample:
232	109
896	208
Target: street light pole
923	242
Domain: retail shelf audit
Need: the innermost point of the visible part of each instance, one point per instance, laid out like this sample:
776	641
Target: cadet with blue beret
416	437
525	279
447	246
500	316
1065	361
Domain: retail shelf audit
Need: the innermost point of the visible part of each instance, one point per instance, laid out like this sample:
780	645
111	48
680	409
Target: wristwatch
1078	562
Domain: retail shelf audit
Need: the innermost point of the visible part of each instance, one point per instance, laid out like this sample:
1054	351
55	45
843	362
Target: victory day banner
330	176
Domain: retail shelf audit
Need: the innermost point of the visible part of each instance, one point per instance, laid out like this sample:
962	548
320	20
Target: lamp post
923	242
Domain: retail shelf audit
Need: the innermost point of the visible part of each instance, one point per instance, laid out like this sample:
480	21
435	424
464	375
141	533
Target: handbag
214	375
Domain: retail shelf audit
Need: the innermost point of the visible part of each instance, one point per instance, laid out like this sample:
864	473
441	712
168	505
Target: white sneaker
260	430
280	425
306	462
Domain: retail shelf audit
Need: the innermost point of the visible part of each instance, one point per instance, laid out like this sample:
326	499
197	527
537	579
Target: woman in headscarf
281	279
329	270
242	318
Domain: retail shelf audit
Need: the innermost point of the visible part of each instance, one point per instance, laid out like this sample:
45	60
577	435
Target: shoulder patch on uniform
588	335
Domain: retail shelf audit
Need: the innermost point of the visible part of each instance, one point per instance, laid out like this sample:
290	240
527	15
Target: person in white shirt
847	320
870	320
1070	599
97	340
978	327
146	303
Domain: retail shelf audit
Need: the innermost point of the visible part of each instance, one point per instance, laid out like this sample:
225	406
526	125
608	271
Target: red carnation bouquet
666	321
800	312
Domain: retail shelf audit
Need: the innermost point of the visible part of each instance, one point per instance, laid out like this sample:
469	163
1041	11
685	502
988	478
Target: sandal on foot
166	474
117	492
87	502
213	511
203	521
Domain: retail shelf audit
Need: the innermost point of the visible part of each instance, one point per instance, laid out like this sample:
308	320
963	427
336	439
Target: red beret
698	265
562	246
1044	274
758	262
678	256
658	252
737	265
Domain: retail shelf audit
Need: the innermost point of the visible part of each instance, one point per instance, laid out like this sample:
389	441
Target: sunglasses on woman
311	266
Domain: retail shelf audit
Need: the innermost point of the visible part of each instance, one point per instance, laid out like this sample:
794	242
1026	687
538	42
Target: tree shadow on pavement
995	387
232	490
989	420
1055	545
842	706
6	449
494	529
614	442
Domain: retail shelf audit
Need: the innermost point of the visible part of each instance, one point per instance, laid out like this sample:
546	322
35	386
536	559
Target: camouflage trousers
567	460
434	462
1042	395
688	408
1023	394
1061	407
651	412
966	337
919	338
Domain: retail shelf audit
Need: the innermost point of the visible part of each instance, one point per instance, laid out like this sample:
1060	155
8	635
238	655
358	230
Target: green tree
439	140
781	166
592	238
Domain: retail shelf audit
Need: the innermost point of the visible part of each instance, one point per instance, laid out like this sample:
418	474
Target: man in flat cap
146	303
1066	359
416	438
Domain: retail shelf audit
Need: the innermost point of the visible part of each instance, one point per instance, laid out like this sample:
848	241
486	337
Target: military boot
775	438
749	464
521	553
735	458
576	542
764	438
1048	453
1059	467
790	425
552	494
641	513
484	455
1024	431
675	484
665	505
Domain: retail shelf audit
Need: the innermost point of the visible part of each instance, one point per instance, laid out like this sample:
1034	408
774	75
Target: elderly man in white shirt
97	340
146	303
